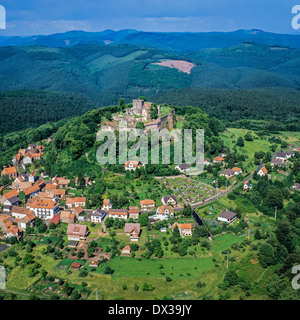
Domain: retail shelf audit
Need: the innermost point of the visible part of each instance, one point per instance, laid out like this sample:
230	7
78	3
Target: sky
34	17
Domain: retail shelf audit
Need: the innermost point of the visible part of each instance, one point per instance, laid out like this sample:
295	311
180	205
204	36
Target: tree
284	235
248	136
80	254
187	210
143	219
108	270
22	196
140	125
75	295
240	142
231	278
266	255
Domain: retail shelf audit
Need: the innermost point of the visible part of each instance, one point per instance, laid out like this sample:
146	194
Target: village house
67	217
5	222
9	199
77	232
10	172
134	212
289	154
107	205
13	231
262	171
44	208
76	202
21	186
32	177
17	158
126	250
277	162
183	168
133	231
247	185
118	214
227	216
32	191
87	182
98	215
77	211
169	200
59	193
164	213
237	170
21	178
30	157
295	187
50	187
27	221
185	229
19	212
94	264
131	165
218	159
281	155
61	182
147	204
228	173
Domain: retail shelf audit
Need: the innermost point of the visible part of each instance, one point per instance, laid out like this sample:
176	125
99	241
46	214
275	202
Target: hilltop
179	41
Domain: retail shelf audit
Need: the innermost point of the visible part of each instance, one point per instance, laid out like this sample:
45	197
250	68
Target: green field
174	268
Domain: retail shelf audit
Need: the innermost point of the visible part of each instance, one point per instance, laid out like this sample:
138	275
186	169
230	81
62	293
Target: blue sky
32	17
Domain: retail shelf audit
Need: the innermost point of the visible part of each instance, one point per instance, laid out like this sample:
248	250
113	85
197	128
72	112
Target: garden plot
187	190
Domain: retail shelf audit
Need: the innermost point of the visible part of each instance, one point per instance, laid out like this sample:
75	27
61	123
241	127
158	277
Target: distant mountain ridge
180	41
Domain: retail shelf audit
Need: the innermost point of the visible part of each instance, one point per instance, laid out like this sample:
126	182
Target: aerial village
31	198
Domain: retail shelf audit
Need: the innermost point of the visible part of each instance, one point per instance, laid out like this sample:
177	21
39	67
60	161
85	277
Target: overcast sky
33	17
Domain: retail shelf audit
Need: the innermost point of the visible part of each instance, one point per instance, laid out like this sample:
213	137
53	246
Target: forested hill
32	108
74	146
278	107
180	41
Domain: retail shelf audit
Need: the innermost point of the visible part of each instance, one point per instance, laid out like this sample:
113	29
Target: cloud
45	16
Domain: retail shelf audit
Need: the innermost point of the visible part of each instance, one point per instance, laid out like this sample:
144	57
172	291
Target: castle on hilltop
141	112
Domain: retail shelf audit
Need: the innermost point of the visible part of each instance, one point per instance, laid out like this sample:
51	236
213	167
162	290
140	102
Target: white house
262	171
118	214
97	216
183	167
107	205
164	213
169	200
247	185
227	216
44	208
131	165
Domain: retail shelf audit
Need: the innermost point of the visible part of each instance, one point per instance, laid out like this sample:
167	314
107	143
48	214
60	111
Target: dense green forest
31	108
278	108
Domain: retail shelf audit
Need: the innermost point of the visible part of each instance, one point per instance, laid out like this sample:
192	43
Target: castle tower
171	119
138	106
158	110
